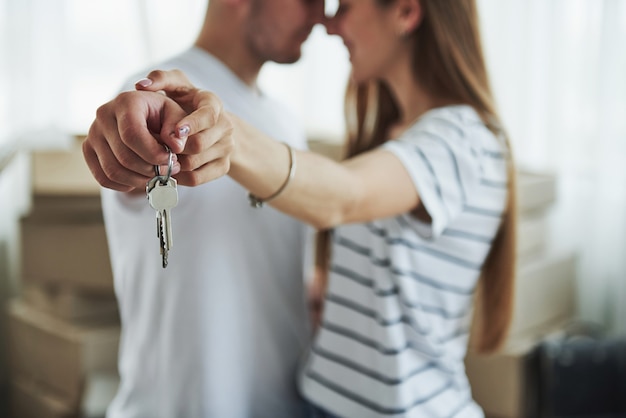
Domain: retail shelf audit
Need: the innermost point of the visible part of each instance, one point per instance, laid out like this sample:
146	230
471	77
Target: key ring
170	165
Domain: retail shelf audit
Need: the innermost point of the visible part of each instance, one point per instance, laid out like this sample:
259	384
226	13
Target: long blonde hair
448	61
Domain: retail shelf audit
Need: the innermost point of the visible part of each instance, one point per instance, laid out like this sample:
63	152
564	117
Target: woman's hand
204	135
126	139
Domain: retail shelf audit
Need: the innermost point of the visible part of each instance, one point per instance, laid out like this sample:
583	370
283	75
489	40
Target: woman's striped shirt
398	306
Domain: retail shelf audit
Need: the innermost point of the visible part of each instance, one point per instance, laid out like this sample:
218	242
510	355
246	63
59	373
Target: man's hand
126	139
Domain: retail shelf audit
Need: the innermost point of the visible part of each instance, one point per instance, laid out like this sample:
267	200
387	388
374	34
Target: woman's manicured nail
144	82
183	131
181	141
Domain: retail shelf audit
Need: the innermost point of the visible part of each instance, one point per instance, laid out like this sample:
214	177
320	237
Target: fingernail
180	141
183	131
144	82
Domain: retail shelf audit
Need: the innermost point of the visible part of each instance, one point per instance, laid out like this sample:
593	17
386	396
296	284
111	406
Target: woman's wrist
257	202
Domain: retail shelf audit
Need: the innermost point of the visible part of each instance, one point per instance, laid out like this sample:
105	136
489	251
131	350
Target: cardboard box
56	355
66	208
28	400
532	238
69	252
505	384
544	296
63	172
536	191
331	149
69	304
100	390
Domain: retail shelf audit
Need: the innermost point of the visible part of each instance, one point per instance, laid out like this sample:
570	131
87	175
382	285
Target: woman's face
370	33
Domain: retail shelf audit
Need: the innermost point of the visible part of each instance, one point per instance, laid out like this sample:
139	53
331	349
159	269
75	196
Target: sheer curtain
59	60
558	69
559	73
62	58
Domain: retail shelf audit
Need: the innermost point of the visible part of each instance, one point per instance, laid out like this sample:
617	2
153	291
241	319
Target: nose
317	11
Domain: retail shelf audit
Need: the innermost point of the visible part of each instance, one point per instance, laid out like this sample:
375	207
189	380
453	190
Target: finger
173	82
126	126
95	166
208	138
165	170
124	145
139	121
208	162
200	148
207	112
193	161
177	86
170	134
104	164
213	170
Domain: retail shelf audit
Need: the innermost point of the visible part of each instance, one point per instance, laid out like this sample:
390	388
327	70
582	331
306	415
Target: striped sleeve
442	166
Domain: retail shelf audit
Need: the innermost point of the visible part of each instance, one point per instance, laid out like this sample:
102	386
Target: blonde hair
448	61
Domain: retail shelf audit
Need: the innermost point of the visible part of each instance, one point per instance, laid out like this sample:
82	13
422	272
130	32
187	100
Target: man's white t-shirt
219	332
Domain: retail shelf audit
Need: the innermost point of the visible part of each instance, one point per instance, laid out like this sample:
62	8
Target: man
218	333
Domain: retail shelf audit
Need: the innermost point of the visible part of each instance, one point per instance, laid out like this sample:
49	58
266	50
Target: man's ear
409	15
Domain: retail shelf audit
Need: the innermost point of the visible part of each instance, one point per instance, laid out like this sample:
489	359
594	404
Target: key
159	219
149	188
163	197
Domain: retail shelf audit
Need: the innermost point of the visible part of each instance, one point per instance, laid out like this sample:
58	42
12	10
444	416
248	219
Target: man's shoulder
199	66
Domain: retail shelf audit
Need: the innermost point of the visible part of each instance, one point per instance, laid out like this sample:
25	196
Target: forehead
289	3
278	6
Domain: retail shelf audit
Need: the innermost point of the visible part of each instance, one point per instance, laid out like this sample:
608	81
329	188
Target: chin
358	77
362	74
290	54
288	58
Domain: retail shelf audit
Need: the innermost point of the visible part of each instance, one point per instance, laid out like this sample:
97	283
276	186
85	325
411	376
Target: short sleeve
437	153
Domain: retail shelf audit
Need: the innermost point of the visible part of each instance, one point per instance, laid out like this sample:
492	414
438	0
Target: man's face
278	28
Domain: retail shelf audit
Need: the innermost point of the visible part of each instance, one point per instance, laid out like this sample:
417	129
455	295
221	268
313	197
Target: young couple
415	228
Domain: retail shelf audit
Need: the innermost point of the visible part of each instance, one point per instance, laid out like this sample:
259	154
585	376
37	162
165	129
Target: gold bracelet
257	202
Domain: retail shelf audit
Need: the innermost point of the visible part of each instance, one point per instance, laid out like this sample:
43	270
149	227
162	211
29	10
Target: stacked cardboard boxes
64	326
64	329
505	383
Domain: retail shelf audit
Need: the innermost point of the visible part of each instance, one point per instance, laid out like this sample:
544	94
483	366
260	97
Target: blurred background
558	70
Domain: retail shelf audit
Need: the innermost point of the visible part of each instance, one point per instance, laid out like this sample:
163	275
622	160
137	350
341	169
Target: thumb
171	115
174	83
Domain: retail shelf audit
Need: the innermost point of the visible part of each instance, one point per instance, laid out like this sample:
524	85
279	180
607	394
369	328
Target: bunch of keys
163	197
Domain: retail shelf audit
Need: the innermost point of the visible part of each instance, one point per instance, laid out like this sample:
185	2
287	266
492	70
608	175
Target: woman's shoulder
452	116
451	124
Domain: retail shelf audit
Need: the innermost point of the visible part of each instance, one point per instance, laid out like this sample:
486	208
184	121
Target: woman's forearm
322	192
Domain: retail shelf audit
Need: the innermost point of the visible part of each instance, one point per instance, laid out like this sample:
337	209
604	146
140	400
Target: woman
416	224
396	321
